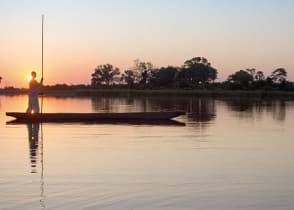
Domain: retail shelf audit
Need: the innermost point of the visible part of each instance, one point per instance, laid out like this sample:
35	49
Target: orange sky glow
80	35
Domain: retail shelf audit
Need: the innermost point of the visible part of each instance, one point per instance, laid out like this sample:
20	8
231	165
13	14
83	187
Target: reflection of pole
42	196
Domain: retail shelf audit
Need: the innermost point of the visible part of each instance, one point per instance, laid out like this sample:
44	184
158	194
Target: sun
29	78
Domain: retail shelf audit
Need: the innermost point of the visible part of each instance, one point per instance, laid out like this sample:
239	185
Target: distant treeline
196	73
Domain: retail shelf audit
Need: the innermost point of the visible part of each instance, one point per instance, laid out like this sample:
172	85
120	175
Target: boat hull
77	117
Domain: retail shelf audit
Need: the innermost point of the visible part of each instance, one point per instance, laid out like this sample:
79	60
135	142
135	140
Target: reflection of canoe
76	117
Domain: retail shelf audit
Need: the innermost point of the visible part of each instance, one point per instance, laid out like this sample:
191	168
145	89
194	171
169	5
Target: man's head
33	74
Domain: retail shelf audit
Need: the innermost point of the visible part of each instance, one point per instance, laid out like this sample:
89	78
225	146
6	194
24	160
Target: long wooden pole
42	46
42	59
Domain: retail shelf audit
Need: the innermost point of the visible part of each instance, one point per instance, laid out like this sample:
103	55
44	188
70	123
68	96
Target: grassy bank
13	91
94	92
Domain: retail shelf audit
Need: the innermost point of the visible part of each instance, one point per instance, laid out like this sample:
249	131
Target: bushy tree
259	76
129	77
104	74
198	70
142	71
164	76
251	71
279	75
242	78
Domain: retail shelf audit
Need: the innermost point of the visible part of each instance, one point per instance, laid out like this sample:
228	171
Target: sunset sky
81	34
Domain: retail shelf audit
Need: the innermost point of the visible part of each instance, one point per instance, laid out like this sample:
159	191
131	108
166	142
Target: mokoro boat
78	117
103	122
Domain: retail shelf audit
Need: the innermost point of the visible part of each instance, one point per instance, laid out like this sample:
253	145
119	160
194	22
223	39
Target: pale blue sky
80	34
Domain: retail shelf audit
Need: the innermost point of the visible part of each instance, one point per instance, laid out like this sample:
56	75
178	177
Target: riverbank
93	92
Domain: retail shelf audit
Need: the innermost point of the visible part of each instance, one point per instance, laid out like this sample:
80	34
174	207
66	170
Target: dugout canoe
77	117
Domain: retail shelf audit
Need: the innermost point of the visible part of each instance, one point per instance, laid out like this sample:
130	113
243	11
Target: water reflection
250	107
119	104
201	109
198	109
33	134
36	149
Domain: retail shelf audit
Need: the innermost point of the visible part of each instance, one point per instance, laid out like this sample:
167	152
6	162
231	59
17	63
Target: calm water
232	154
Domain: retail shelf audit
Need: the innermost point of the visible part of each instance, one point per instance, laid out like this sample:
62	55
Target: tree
212	74
259	76
279	75
142	71
104	74
241	77
198	70
143	66
251	71
164	76
129	77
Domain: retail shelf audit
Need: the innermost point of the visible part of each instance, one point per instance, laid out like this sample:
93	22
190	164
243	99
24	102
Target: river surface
228	154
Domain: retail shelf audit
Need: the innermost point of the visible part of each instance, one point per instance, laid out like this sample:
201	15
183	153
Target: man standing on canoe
34	91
